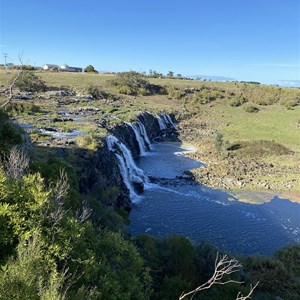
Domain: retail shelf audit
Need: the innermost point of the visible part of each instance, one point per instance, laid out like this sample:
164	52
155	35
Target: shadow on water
176	204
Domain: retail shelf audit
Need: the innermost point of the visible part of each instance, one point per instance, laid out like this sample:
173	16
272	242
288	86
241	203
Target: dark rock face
125	134
100	170
151	124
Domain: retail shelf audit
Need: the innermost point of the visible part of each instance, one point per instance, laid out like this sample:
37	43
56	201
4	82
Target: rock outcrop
102	170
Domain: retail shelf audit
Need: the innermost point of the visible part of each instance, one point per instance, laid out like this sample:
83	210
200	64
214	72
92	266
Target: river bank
174	203
264	147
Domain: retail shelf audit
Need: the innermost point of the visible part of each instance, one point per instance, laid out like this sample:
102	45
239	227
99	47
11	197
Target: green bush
174	92
237	101
21	107
29	82
250	108
96	92
31	275
89	141
131	83
90	69
10	133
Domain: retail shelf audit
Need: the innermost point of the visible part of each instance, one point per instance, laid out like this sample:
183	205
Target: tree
170	74
9	90
90	69
24	80
223	266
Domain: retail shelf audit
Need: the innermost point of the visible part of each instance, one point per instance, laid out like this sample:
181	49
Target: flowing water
181	206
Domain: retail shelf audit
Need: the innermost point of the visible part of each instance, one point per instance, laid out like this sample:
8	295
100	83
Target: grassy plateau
258	125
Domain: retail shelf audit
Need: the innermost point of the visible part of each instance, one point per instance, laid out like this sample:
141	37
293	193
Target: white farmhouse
50	67
61	68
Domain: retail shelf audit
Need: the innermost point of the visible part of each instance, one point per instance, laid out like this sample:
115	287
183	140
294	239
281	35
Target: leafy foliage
90	69
21	204
131	83
237	101
31	275
10	133
22	107
29	82
250	108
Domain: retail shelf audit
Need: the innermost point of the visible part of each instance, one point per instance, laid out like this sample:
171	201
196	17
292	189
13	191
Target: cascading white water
169	119
130	172
161	123
139	138
144	134
164	121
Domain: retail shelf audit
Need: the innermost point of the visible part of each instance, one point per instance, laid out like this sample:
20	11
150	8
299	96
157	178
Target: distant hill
289	83
211	78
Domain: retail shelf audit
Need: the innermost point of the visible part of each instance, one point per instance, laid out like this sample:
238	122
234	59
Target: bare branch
9	89
16	163
56	211
62	186
223	266
241	297
84	213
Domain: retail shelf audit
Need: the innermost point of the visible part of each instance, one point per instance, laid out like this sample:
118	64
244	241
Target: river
184	207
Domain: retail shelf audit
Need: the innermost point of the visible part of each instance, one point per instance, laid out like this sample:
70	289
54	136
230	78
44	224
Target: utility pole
5	57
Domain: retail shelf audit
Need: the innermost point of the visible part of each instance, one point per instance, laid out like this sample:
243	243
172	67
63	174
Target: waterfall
144	134
138	138
169	119
161	123
164	121
131	174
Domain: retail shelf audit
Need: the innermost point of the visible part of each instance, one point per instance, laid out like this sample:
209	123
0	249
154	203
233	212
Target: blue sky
245	40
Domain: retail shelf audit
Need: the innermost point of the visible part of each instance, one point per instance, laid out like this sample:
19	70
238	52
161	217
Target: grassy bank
260	125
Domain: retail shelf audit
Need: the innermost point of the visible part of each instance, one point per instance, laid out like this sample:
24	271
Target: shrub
21	107
29	82
174	92
31	275
87	141
90	69
289	104
250	108
131	83
96	92
219	141
10	133
237	101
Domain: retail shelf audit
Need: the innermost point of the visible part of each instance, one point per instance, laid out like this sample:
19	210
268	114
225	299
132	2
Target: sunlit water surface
204	214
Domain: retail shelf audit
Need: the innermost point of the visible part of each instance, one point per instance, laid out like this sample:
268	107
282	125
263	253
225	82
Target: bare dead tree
16	163
9	89
223	266
252	288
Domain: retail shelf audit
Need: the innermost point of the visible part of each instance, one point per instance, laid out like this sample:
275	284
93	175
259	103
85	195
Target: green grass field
270	136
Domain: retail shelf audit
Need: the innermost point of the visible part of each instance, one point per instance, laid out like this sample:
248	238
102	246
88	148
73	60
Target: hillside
64	208
259	125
